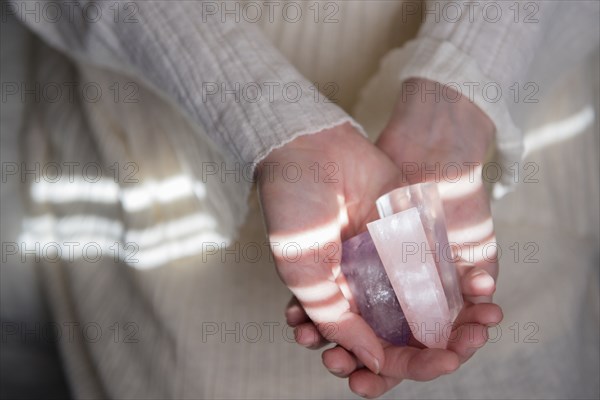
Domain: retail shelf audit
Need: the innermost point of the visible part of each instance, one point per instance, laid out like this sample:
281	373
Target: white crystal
413	275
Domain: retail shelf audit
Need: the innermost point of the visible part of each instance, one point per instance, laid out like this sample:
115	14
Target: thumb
304	236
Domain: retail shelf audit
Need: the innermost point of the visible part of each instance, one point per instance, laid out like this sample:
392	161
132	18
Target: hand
421	137
315	192
308	218
446	141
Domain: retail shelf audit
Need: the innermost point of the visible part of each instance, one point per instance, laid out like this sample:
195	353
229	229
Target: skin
421	132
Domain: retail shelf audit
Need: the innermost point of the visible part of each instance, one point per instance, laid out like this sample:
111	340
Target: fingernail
297	334
337	372
291	319
470	351
449	371
368	358
483	281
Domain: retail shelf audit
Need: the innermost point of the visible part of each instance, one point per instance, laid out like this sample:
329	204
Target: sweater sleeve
216	67
489	50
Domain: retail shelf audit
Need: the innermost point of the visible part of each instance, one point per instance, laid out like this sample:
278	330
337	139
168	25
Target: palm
456	140
311	213
408	140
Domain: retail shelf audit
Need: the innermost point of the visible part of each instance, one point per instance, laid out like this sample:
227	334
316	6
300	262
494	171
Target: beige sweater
179	55
209	57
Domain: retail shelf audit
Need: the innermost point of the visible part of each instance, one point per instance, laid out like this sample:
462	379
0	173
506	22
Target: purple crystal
398	272
372	290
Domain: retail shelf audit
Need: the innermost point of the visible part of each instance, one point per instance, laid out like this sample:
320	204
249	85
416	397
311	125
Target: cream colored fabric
503	56
219	72
175	308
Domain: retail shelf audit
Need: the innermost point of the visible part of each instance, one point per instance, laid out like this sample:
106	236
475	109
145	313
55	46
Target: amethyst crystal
372	290
400	279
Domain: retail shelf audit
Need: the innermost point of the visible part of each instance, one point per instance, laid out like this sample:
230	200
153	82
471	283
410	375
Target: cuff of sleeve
336	119
441	61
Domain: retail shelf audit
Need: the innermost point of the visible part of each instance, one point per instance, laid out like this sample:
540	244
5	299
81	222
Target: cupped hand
433	139
446	139
315	192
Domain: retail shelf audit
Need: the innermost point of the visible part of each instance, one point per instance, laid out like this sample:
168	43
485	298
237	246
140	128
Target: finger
470	331
485	314
354	334
403	363
467	339
307	335
366	384
339	361
481	253
313	283
470	224
418	364
477	282
294	313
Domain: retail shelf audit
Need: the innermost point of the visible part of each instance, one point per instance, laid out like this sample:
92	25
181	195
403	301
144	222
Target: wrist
324	143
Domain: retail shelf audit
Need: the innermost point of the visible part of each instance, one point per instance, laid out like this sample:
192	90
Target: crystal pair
400	272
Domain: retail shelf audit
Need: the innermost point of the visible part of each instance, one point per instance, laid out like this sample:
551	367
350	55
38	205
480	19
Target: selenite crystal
425	197
413	275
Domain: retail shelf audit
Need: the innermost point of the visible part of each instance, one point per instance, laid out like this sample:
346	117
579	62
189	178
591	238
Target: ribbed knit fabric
224	75
173	288
494	53
212	60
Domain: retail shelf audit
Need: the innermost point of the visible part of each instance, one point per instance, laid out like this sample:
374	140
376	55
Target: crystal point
426	199
413	275
400	272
